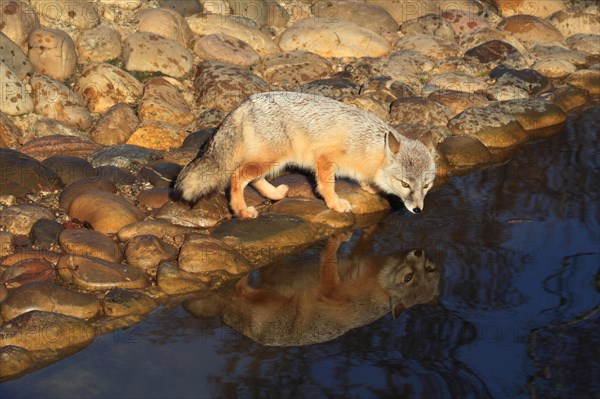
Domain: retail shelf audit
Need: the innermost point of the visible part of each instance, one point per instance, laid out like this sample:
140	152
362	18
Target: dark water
504	266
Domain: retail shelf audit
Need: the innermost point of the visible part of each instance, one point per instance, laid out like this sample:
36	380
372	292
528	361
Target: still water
492	292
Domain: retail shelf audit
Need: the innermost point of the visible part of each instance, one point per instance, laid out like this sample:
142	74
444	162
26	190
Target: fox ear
393	143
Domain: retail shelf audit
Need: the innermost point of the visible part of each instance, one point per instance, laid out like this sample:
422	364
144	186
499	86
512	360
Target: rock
103	85
161	174
52	52
14	98
147	251
210	118
162	102
540	9
588	79
292	68
80	186
123	156
542	52
119	303
44	233
154	198
505	93
203	254
27	271
106	212
492	127
404	10
529	28
568	97
494	51
484	35
336	88
458	101
261	13
7	243
571	22
365	15
45	127
183	7
457	82
18	21
14	360
464	21
429	24
225	48
554	68
98	45
164	22
586	43
116	175
464	151
69	169
159	228
116	126
49	298
11	260
50	146
174	281
14	57
18	219
207	24
536	116
97	274
431	136
22	174
431	46
362	202
10	134
80	13
125	5
90	243
411	61
157	135
314	211
333	39
419	111
207	212
223	86
261	240
369	104
527	79
149	52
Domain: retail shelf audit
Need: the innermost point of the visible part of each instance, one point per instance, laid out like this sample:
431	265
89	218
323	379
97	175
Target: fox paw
342	205
368	188
248	213
280	192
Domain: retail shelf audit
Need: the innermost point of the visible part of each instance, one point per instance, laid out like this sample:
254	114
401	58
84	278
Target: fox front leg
325	173
367	187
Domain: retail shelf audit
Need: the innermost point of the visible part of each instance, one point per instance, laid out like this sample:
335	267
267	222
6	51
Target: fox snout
414	205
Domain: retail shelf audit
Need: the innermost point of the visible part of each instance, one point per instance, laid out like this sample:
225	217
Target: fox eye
405	184
426	186
408	277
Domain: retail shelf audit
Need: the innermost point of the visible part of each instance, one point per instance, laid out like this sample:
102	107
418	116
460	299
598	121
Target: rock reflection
321	296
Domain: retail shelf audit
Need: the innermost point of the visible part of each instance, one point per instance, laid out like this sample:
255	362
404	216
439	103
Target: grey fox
268	131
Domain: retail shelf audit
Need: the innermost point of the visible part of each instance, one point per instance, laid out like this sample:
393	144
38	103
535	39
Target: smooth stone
568	97
571	22
534	115
263	13
225	48
154	198
411	61
458	101
429	24
116	126
585	43
157	135
49	146
464	151
183	7
174	281
205	254
164	22
431	46
292	68
333	38
587	79
22	174
14	360
49	297
207	212
45	127
419	111
505	93
7	243
526	79
180	156
541	9
495	129
362	202
334	87
223	86
464	21
494	51
314	211
76	188
529	28
14	99
81	14
210	118
10	134
28	271
116	175
126	5
90	243
480	36
18	21
159	228
103	85
163	102
147	251
44	233
197	139
52	52
19	219
124	156
404	10
554	68
149	52
161	174
431	136
14	58
554	51
12	259
97	274
106	212
3	295
98	45
370	104
119	303
366	15
69	169
455	81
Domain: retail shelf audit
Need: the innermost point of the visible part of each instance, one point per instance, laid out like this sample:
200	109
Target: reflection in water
319	298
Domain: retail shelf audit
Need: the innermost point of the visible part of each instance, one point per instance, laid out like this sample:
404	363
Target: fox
269	131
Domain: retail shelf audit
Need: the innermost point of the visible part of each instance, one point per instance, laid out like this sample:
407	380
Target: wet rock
14	57
22	174
10	134
69	169
90	243
529	28
568	97
115	126
44	233
526	79
183	7
555	68
27	271
419	111
18	219
207	24
369	104
464	21
202	254
76	188
198	139
571	22
225	48
298	184
14	99
458	101
157	135
50	146
588	79
335	87
494	51
38	331
429	24
123	156
540	9
147	251
116	175
103	85
366	15
492	127
314	211
455	81
106	212
542	52
333	39
164	22
223	86
49	298
161	174
536	116
262	239
586	43
7	243
119	303
362	202
149	52
80	13
154	198
45	127
159	228
207	212
292	68
97	274
98	45
13	361
431	46
163	102
52	52
464	151
172	280
18	21
10	260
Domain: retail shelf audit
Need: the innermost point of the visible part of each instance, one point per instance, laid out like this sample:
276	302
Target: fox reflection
296	304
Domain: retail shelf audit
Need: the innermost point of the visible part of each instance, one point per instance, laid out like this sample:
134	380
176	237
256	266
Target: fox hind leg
246	173
270	191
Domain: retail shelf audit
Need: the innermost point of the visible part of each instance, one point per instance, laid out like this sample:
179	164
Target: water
508	308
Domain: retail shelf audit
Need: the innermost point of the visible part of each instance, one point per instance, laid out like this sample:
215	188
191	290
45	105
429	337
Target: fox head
408	171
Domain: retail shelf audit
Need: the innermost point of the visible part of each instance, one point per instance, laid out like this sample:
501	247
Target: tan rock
554	67
97	274
431	46
74	189
314	211
49	146
175	281
568	97
419	111
463	21
90	243
529	28
154	198
207	212
157	135
45	127
116	126
19	219
370	104
119	303
571	22
10	134
14	57
52	52
80	13
538	8
98	45
586	43
159	228
162	102
7	243
123	5
27	271
464	151
14	360
147	251
366	15
536	116
292	68
202	254
458	101
225	48
457	82
11	260
587	79
18	20
14	98
164	22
